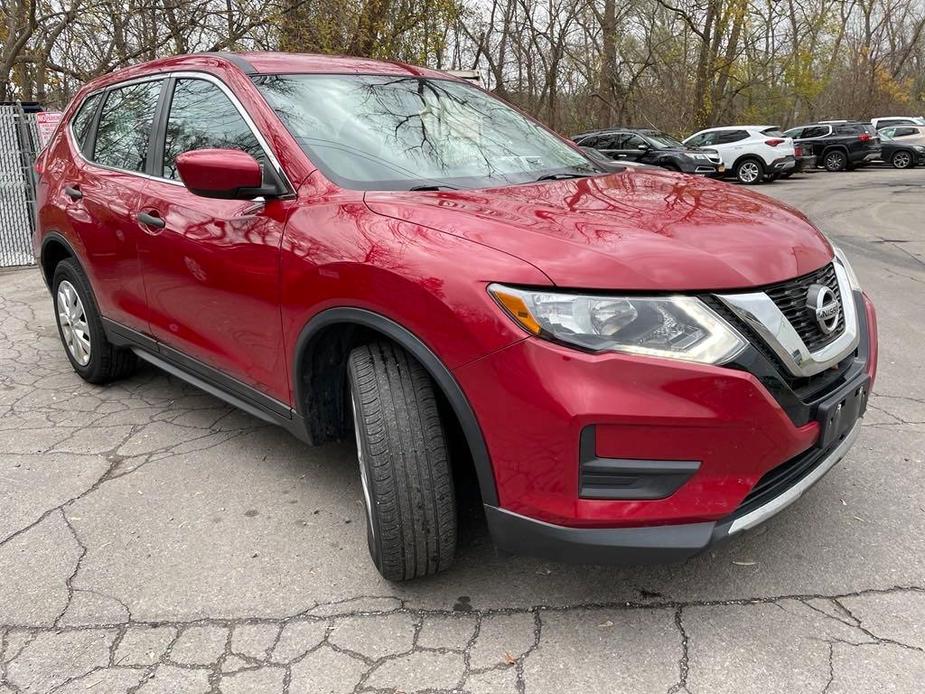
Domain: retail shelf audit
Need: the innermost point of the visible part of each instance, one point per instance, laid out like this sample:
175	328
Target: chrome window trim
186	74
762	315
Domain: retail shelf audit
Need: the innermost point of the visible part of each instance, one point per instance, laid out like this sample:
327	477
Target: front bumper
654	544
754	453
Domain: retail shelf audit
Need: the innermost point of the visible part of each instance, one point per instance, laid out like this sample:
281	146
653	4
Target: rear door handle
151	220
73	192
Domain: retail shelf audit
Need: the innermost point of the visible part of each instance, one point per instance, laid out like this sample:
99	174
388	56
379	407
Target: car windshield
663	141
375	132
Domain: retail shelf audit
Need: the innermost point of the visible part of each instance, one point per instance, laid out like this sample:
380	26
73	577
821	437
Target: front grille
790	298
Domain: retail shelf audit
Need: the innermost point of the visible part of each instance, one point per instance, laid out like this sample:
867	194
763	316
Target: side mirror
228	174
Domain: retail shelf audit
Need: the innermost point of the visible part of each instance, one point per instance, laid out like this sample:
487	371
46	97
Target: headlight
918	148
842	260
699	156
675	327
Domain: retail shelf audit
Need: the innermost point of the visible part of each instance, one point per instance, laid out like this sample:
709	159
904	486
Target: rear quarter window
83	121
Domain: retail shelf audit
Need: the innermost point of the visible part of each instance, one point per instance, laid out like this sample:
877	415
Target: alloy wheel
901	160
73	321
834	161
748	172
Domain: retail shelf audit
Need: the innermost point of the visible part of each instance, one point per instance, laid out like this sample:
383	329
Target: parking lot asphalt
153	539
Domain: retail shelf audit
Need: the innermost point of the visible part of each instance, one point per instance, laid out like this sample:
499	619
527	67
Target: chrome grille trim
759	312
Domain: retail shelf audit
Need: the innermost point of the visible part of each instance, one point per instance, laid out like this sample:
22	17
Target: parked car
906	134
613	165
888	121
750	153
805	160
633	366
838	146
899	154
650	147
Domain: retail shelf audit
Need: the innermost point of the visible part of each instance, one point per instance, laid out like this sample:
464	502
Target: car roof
721	128
606	131
272	63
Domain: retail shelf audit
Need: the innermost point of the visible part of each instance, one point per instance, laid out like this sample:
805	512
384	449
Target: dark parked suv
839	145
633	365
651	147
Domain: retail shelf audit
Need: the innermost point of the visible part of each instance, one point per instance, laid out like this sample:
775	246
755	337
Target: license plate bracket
838	414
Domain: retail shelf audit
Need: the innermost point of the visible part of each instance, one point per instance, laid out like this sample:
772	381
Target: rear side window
853	129
202	117
83	121
772	132
816	131
610	141
794	132
125	126
726	137
905	132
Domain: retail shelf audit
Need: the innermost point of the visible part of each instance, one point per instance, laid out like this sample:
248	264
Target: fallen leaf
509	659
605	625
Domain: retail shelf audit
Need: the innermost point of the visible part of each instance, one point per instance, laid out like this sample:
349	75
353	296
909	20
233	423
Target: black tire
404	463
902	159
106	362
835	160
749	170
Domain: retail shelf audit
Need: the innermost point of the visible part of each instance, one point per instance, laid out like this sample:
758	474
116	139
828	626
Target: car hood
636	229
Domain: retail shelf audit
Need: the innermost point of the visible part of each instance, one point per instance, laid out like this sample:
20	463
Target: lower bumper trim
782	501
519	534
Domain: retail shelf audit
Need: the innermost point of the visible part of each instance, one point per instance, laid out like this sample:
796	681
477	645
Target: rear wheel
749	171
835	160
404	463
93	357
901	160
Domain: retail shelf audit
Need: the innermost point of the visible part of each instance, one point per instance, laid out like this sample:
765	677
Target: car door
717	141
102	186
608	145
632	147
211	266
813	139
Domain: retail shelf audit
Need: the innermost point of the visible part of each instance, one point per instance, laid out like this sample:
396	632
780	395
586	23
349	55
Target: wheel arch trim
57	237
437	370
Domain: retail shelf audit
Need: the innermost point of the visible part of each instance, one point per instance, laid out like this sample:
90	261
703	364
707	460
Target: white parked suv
751	153
888	121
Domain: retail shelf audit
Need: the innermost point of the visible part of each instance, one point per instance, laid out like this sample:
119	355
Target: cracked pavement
153	539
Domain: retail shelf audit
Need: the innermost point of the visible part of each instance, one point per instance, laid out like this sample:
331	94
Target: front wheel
404	463
901	160
836	160
749	171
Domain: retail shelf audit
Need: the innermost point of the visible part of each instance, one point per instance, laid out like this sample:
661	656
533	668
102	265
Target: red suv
636	364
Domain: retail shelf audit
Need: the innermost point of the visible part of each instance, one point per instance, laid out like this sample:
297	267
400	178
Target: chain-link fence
18	147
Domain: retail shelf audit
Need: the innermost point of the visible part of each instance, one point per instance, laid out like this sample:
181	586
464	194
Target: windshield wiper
432	187
562	176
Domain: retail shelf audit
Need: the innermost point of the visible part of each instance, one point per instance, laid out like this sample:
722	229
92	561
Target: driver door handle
151	220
